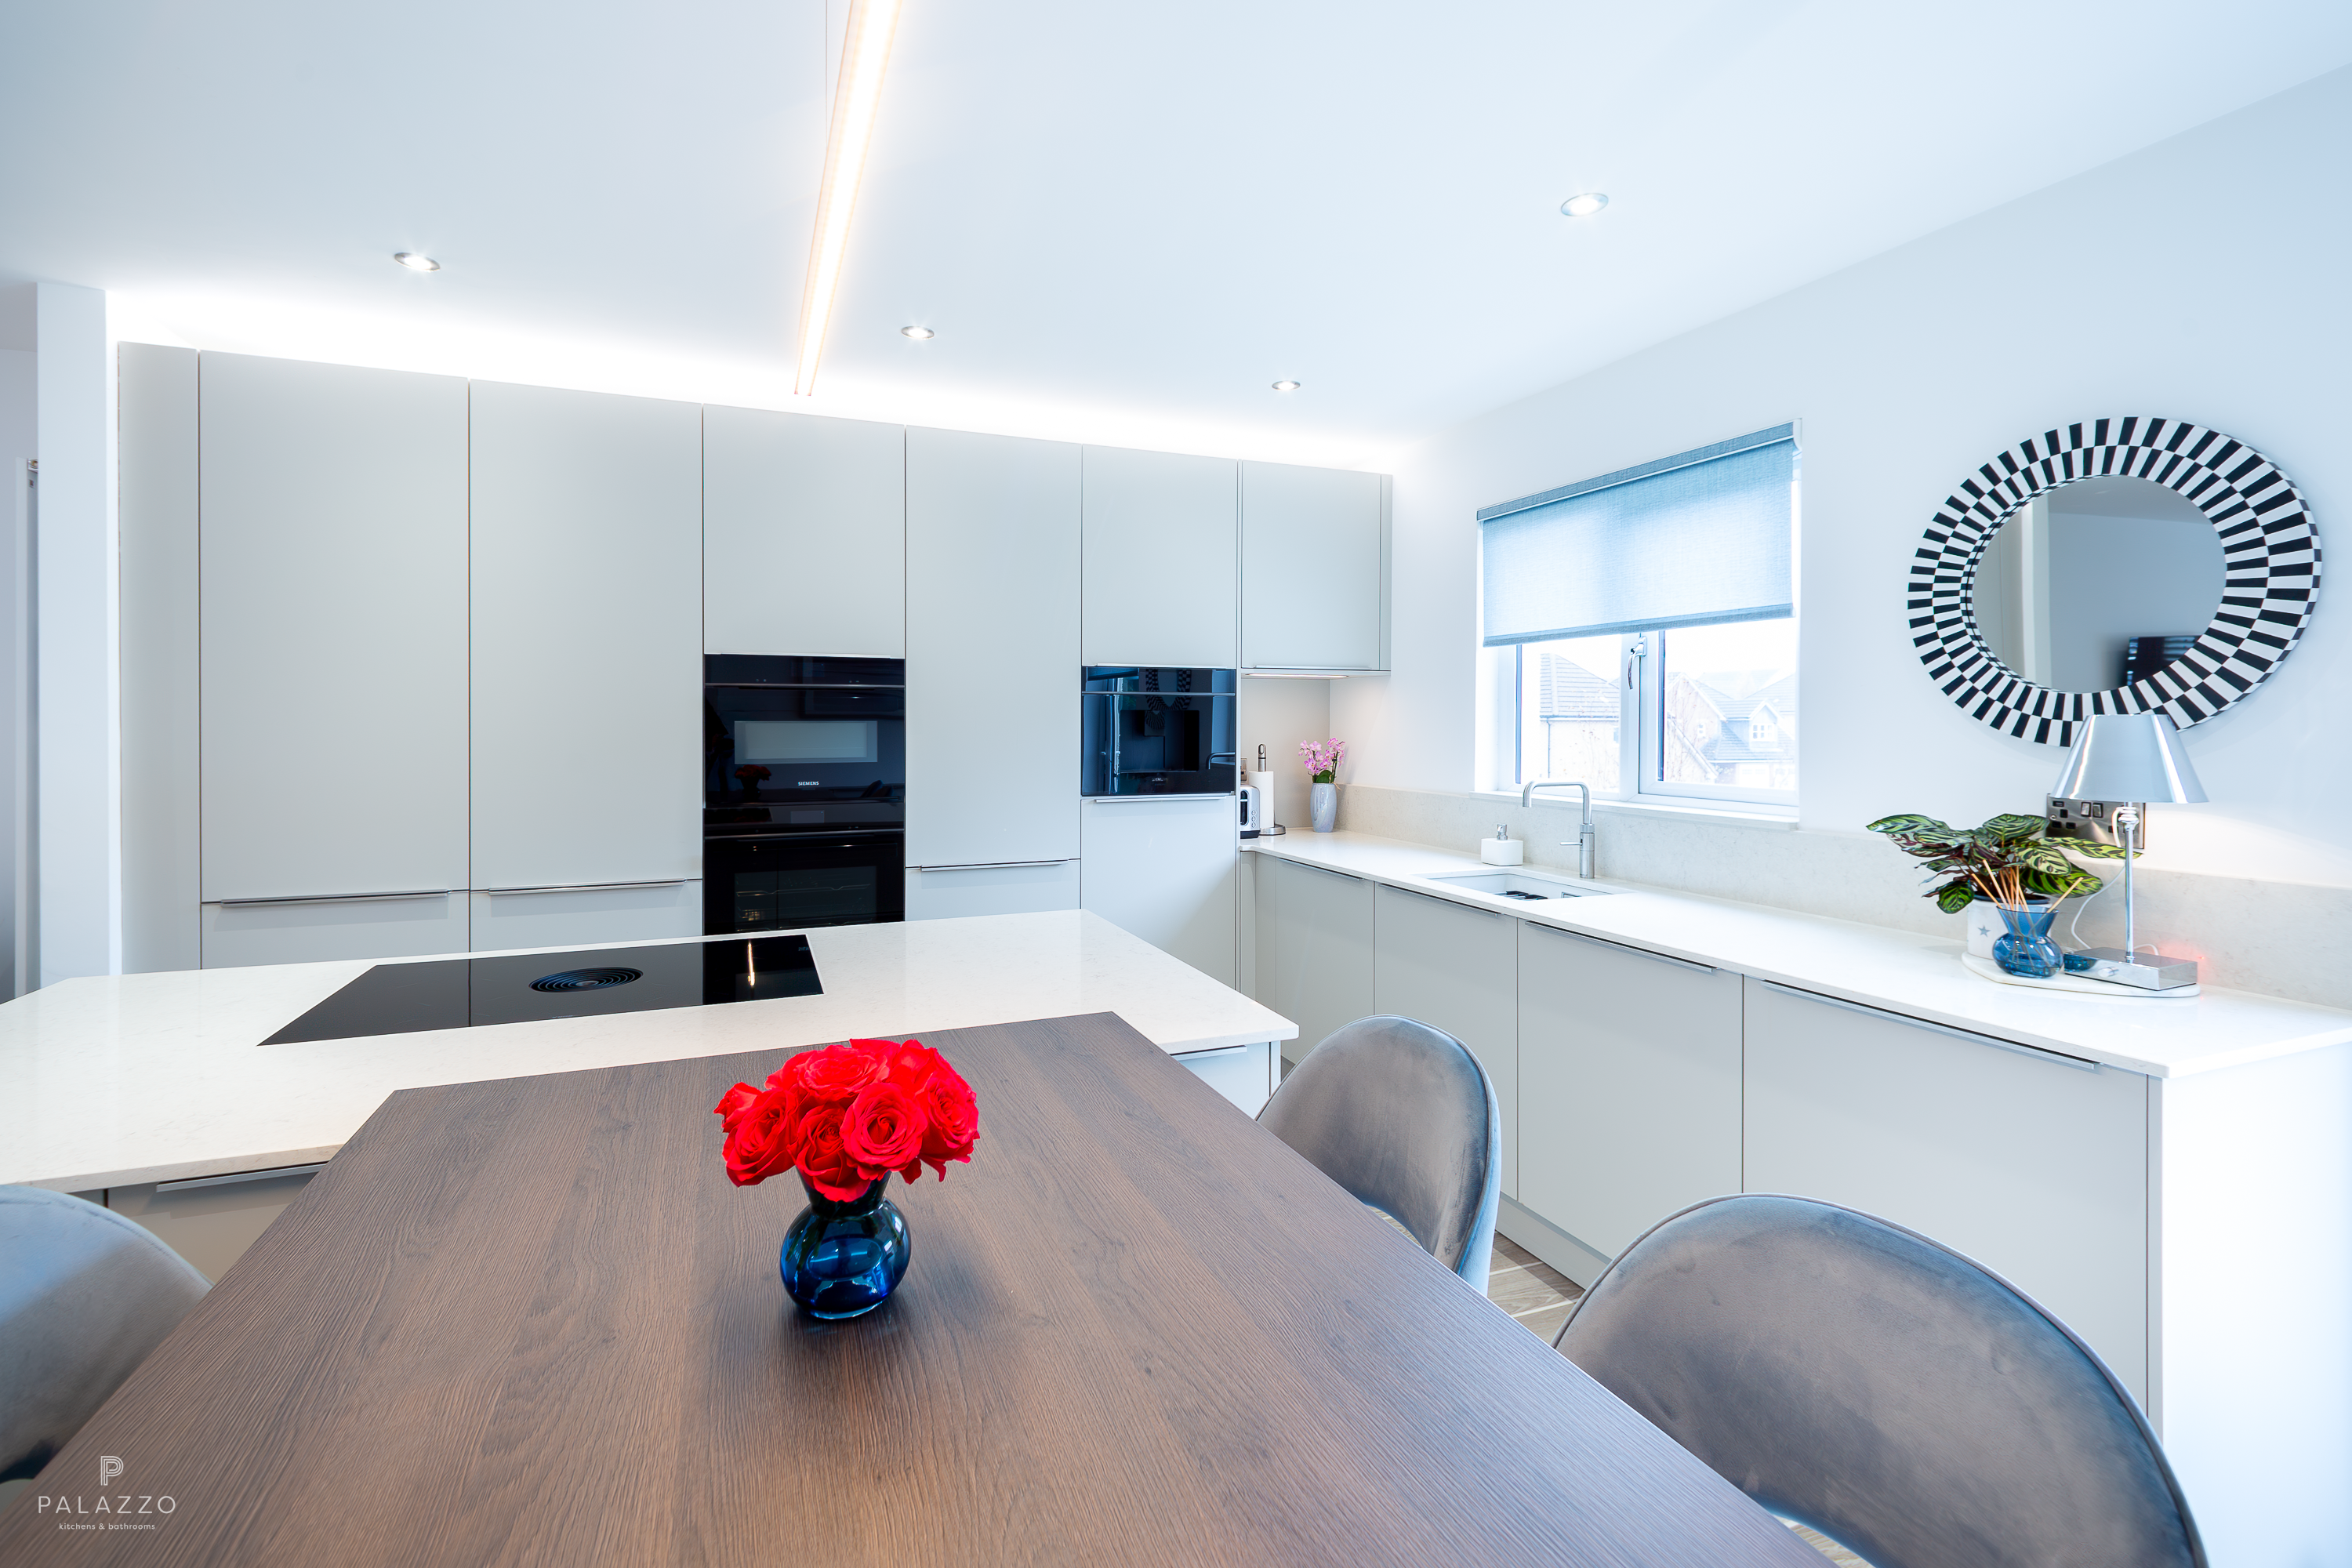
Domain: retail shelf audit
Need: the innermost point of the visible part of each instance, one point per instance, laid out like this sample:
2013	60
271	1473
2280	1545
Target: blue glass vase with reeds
2025	949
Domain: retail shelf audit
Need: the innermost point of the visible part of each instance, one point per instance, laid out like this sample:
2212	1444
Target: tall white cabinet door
1456	969
1313	949
332	629
1161	867
991	650
587	622
2031	1164
1312	565
1162	554
804	534
1628	1086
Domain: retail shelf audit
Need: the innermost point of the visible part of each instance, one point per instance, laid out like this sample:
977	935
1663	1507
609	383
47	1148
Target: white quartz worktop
121	1079
1901	972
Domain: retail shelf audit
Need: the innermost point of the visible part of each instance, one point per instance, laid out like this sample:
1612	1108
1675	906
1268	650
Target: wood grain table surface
529	1322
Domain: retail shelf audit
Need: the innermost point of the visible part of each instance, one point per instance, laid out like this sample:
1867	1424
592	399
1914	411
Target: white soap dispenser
1502	849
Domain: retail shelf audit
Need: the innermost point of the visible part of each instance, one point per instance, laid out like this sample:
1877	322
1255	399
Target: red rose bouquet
848	1116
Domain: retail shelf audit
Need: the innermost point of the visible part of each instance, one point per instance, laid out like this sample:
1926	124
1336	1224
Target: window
1640	628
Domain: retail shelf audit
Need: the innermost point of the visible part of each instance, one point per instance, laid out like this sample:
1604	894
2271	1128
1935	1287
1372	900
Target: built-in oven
804	792
1155	729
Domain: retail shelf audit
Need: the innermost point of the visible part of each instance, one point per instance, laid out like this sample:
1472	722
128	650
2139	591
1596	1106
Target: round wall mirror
2115	566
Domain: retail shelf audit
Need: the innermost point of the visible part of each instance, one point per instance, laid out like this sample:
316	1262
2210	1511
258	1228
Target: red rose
883	1132
906	1065
822	1159
950	1117
764	1138
835	1074
732	1104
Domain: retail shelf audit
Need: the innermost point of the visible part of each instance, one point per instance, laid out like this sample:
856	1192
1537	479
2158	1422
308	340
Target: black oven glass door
795	883
1157	730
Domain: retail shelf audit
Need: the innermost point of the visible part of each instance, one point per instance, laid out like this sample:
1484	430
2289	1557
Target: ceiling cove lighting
415	261
1285	386
920	335
1585	205
857	94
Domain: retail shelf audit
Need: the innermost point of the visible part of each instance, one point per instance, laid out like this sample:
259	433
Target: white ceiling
1124	220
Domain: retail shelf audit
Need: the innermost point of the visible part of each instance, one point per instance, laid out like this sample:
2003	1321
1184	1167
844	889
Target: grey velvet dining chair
84	1296
1403	1116
1861	1379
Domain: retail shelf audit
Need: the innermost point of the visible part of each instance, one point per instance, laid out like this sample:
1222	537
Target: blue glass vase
844	1258
2025	949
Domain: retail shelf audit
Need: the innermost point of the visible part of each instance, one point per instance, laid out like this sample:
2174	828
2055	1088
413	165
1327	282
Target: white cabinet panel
331	621
1314	947
1162	868
1242	1074
310	932
991	650
804	534
1162	558
587	632
1313	568
1456	969
2035	1168
1628	1086
569	916
953	893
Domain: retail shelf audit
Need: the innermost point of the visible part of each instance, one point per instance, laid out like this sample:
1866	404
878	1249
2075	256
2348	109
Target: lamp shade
2130	757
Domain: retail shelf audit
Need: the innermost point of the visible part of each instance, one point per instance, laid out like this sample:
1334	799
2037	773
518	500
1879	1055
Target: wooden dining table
530	1322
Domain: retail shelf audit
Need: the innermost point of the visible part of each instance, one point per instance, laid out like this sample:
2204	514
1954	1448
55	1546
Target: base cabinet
2033	1164
1242	1074
574	917
1456	968
1313	949
311	931
1628	1086
952	892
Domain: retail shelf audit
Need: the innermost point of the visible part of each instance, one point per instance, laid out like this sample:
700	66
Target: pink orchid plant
1323	758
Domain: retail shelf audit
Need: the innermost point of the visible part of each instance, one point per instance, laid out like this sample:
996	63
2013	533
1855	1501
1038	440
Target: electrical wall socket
2089	821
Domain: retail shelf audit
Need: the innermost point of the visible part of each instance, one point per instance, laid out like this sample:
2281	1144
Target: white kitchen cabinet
1242	1074
992	661
565	917
1314	568
2033	1164
1161	867
1161	558
952	892
331	631
310	930
1315	949
1628	1086
804	534
1456	969
587	640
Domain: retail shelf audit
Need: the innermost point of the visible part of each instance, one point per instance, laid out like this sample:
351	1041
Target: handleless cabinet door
1162	868
1628	1086
804	535
1456	969
587	626
332	629
1313	949
1313	568
2032	1164
991	650
1162	558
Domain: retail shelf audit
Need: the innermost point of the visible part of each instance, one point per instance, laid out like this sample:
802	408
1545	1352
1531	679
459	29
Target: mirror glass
2097	584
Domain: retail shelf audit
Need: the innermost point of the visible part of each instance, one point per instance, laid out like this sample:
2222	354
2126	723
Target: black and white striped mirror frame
2269	571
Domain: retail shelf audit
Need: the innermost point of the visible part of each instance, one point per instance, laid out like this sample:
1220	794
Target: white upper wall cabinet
1314	568
331	625
991	650
587	626
1162	554
804	535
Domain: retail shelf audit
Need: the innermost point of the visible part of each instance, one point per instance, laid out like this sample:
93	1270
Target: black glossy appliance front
1155	729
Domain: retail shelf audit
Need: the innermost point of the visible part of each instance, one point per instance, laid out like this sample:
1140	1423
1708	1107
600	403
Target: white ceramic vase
1324	806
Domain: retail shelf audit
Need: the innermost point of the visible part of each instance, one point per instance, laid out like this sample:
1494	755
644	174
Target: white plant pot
1324	806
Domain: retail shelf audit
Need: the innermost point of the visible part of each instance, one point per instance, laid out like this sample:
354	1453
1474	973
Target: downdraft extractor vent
586	979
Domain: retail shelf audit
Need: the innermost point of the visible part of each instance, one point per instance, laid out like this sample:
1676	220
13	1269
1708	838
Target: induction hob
469	993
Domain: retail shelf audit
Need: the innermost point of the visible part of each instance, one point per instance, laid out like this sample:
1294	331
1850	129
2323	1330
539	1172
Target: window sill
1729	814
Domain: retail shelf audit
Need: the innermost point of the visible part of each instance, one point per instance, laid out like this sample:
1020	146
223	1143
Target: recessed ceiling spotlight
917	333
1585	205
417	261
1285	386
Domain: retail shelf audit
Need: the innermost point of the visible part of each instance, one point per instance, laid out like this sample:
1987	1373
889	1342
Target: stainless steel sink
1519	886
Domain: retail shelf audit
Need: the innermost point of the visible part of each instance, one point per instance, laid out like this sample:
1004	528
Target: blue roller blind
1702	537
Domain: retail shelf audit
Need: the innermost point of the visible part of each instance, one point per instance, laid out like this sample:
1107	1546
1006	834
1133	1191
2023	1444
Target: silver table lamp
2130	758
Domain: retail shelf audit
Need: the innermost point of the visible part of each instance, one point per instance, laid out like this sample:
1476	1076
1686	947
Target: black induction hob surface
469	992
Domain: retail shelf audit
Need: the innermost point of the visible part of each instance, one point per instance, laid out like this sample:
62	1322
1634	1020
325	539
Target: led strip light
857	94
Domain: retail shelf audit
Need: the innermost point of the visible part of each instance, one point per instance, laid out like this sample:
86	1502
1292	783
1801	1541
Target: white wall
16	448
1278	713
2199	278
